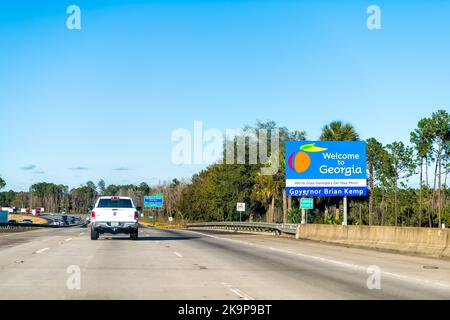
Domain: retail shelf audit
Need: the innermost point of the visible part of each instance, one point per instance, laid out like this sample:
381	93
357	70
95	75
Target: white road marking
339	263
41	250
81	233
68	239
237	292
178	254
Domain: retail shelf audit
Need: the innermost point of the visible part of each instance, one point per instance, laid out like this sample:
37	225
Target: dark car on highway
65	220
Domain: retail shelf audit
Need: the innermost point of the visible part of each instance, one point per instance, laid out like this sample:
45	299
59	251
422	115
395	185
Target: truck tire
94	234
134	235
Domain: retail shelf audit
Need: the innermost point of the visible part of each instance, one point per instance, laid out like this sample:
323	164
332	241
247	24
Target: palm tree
339	131
2	183
266	189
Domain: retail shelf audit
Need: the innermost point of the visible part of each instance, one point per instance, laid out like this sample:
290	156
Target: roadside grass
20	217
160	225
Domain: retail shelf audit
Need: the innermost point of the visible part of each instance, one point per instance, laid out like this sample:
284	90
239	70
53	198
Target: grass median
160	225
20	217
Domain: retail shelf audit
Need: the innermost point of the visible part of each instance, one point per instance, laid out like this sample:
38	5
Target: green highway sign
306	203
154	201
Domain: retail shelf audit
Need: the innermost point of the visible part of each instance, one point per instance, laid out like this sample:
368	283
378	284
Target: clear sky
102	102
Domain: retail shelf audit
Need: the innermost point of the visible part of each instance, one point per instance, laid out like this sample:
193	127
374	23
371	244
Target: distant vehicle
114	215
56	222
12	221
65	220
36	212
26	221
4	216
10	210
73	220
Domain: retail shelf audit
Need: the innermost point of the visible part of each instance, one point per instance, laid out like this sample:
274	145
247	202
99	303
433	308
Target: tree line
56	198
212	194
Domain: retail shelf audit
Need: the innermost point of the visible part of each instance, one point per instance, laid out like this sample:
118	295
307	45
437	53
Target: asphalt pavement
201	264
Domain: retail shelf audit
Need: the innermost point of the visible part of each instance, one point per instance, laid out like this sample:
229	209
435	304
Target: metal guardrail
18	225
289	228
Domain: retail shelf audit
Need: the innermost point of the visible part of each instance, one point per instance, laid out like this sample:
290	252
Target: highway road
201	264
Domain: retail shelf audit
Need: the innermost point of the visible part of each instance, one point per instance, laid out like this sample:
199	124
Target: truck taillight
136	215
93	215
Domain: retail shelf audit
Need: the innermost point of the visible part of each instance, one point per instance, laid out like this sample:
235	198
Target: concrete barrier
421	241
322	232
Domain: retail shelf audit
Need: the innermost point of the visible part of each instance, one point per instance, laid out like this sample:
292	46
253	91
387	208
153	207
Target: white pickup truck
114	215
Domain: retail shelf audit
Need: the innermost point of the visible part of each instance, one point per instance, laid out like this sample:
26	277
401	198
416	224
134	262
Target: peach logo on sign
300	161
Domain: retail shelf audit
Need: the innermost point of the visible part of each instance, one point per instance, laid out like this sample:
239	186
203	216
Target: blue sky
102	102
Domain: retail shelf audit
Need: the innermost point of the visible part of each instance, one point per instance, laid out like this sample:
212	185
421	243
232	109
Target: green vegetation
212	194
339	131
2	183
55	198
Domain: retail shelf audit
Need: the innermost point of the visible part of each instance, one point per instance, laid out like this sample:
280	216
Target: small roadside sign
240	206
154	201
306	203
170	219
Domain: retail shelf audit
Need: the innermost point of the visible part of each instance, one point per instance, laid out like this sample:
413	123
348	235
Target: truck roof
109	197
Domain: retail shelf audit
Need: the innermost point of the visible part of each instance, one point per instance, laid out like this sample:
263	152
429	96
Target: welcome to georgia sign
326	168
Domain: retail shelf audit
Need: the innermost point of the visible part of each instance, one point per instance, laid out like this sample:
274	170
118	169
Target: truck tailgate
114	214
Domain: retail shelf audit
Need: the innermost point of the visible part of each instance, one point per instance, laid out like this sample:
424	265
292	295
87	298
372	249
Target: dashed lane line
237	292
41	250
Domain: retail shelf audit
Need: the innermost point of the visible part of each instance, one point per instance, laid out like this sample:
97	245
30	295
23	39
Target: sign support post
306	204
344	222
240	207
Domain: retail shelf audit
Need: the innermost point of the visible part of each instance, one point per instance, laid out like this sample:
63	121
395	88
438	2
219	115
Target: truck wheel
94	234
134	236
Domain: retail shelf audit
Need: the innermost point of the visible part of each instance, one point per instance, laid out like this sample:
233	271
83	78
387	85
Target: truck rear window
115	203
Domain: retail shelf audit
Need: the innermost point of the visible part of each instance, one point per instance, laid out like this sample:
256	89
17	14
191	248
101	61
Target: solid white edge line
178	254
